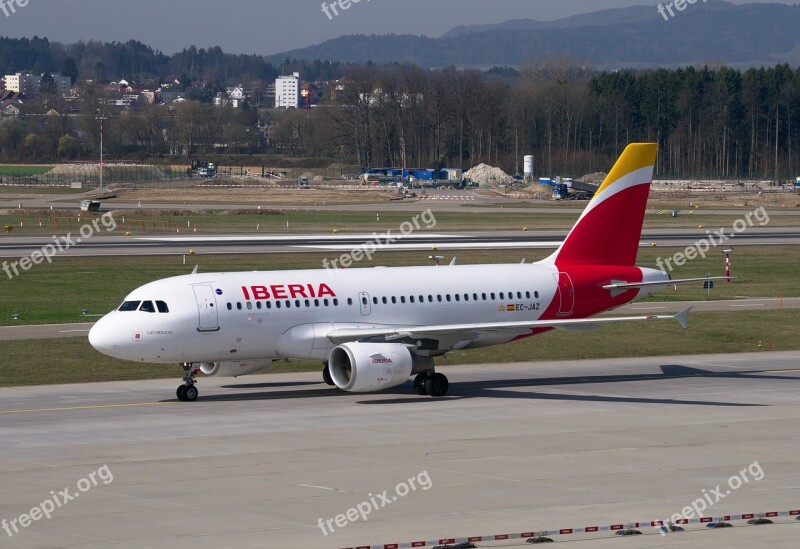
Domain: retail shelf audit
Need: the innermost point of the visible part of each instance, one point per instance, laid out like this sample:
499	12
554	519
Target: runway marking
751	305
70	331
93	407
645	308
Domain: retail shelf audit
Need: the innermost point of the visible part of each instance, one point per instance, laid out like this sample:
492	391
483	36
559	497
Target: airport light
728	253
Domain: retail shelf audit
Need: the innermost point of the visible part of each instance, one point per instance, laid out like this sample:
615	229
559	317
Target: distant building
30	85
233	97
287	92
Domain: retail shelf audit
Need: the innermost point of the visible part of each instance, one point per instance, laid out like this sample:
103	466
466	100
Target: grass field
23	170
304	221
74	361
57	293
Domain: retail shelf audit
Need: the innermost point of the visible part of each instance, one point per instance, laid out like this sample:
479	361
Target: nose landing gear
188	392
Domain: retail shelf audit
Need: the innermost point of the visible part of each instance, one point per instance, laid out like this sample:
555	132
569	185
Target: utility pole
101	118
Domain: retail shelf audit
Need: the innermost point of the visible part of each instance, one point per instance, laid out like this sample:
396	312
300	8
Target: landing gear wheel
437	385
419	384
190	393
326	375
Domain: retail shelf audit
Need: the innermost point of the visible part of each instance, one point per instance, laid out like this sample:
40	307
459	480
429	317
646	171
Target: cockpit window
129	306
147	307
162	307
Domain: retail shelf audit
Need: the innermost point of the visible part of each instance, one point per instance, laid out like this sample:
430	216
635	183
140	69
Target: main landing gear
188	392
326	375
431	383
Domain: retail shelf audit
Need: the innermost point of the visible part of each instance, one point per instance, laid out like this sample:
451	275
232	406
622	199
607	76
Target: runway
257	461
13	247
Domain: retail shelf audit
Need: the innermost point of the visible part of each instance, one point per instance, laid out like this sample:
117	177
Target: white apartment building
31	85
287	92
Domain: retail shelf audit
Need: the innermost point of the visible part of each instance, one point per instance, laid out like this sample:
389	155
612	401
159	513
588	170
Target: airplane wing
618	287
630	285
391	333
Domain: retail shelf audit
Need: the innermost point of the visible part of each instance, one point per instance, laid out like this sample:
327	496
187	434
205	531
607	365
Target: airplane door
566	295
363	299
206	308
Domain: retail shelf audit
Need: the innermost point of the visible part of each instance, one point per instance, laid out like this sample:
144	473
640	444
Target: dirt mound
596	178
489	176
111	172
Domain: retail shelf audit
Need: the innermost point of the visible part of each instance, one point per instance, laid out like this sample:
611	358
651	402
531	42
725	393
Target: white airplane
374	328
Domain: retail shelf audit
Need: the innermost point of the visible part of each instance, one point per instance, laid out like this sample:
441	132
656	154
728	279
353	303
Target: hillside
714	32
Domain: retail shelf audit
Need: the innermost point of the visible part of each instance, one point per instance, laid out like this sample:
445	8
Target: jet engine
367	367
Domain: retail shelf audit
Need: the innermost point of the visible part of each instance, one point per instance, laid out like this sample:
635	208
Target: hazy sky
271	26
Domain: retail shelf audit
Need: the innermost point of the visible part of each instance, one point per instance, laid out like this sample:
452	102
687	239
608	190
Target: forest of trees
133	60
712	123
709	123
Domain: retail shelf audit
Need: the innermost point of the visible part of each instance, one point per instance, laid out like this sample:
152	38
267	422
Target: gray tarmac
516	447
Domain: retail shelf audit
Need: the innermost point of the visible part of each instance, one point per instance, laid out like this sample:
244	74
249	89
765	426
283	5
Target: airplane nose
101	336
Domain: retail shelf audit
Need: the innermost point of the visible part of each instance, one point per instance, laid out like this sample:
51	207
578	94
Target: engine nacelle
234	368
368	367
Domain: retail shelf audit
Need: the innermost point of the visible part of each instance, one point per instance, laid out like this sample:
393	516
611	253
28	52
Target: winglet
683	317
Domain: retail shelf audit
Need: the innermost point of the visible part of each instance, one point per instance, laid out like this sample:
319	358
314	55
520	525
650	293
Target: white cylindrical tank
529	166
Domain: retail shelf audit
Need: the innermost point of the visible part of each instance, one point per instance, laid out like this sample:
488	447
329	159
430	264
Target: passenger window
402	299
297	303
325	301
394	300
269	304
239	306
350	301
308	303
277	304
458	297
316	303
258	304
162	307
230	307
411	299
439	298
519	295
385	301
527	295
288	304
483	296
493	296
501	295
249	306
147	307
363	300
335	302
448	297
536	295
129	306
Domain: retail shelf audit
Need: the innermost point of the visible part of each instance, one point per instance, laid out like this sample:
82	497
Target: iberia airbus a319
372	328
